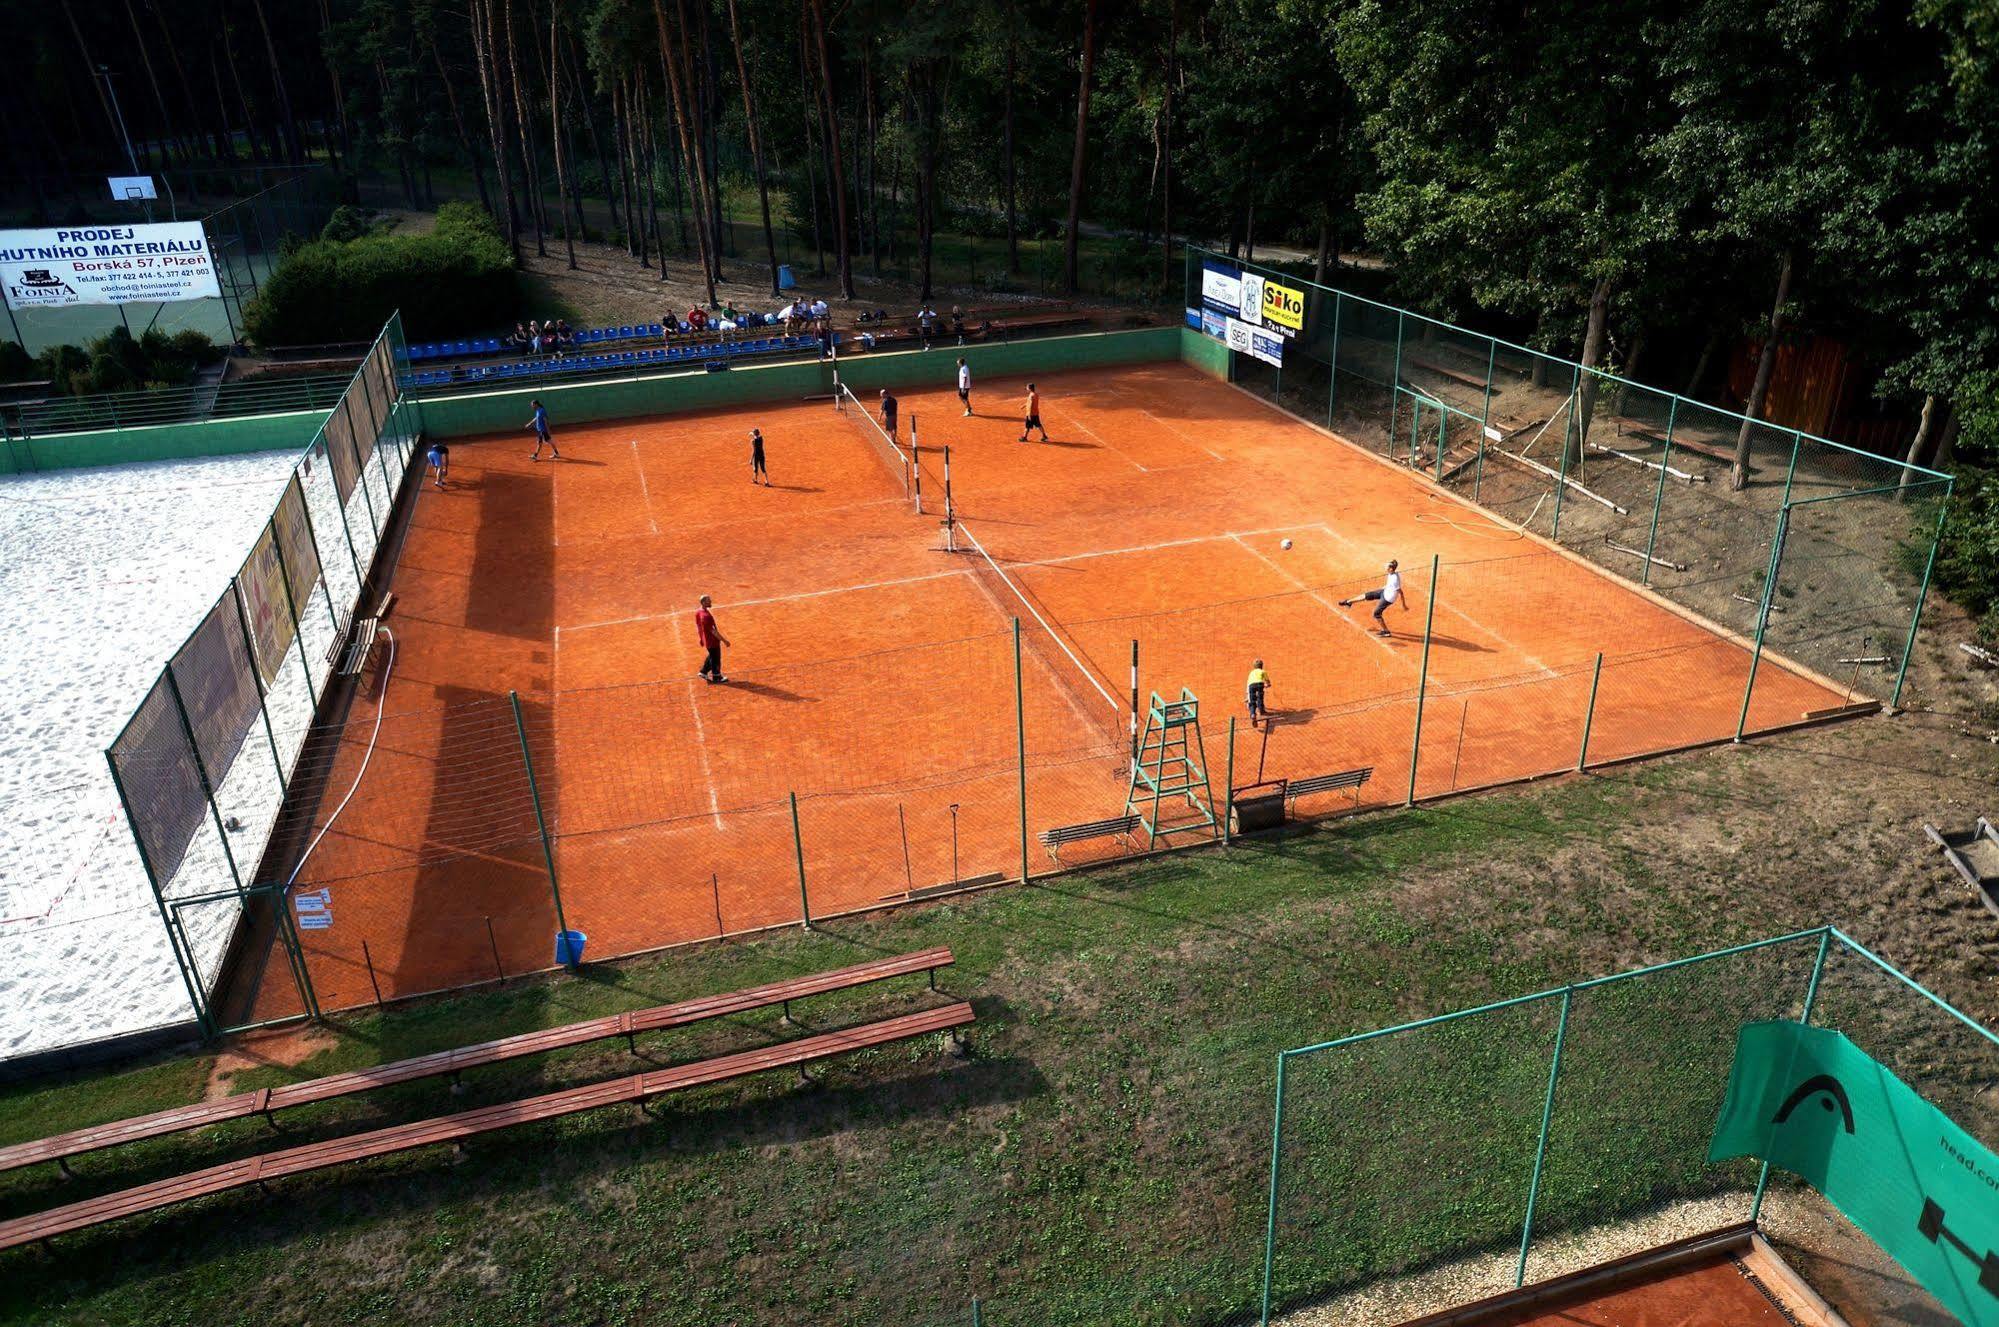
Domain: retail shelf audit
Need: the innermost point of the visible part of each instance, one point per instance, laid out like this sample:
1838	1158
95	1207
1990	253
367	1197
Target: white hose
388	672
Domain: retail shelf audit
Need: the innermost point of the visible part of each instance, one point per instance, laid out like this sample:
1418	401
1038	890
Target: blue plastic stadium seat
625	332
654	329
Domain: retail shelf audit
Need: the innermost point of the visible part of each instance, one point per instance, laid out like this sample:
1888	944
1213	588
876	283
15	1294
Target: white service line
1008	615
1460	613
701	745
1153	548
774	599
1166	424
1330	606
1101	443
644	487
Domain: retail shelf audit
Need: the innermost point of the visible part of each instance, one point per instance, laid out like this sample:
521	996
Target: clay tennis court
872	672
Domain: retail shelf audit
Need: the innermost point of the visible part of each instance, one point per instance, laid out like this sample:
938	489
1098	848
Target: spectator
520	340
534	337
697	319
819	311
958	323
565	339
729	313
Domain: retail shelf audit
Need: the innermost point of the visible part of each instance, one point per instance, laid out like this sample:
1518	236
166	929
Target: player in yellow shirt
1259	683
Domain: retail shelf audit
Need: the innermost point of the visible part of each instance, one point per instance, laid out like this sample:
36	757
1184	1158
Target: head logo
1825	1084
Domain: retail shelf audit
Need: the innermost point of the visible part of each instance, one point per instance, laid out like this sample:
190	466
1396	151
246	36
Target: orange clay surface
871	672
1705	1294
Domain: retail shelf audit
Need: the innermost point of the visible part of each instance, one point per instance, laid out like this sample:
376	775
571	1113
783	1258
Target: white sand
105	572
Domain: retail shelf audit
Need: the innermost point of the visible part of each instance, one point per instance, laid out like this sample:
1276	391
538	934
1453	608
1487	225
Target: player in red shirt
712	640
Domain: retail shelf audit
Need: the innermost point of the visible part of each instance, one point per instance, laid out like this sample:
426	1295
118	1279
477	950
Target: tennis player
1259	684
965	387
757	458
439	457
712	640
1031	415
542	437
1389	593
889	406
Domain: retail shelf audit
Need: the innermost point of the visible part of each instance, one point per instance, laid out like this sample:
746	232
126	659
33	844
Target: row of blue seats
570	363
493	345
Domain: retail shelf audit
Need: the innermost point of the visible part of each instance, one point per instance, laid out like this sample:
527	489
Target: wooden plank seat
263	1101
1053	839
261	1169
1351	779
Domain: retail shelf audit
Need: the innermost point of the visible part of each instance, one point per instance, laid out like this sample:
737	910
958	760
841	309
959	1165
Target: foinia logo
38	283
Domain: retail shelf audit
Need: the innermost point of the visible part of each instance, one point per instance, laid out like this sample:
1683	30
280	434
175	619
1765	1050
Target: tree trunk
458	123
650	153
841	247
1946	450
1627	372
556	134
1708	352
812	142
1738	475
523	124
287	124
1006	153
874	212
1594	337
1325	246
1076	157
670	56
168	129
621	131
489	89
1166	186
1914	455
756	144
180	72
333	80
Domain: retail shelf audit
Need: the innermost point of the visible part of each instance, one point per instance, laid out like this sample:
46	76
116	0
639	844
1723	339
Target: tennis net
1091	698
892	456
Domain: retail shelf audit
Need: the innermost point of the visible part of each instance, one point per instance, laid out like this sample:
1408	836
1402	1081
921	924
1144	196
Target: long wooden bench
44	1226
1120	826
264	1101
1350	779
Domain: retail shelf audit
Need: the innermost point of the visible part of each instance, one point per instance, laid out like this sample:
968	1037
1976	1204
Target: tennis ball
1286	544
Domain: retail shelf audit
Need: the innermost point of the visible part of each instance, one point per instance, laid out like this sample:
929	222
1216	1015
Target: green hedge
458	278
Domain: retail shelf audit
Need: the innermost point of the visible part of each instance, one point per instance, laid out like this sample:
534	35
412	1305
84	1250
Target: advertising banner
1250	310
262	587
1283	309
1221	288
1214	324
1255	342
53	269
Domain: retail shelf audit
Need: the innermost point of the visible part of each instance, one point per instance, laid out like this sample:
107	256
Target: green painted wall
586	402
291	431
1204	353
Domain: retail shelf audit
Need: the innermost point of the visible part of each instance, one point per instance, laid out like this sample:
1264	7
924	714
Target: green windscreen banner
1811	1102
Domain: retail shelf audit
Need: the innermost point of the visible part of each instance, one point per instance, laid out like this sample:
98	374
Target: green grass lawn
1102	1156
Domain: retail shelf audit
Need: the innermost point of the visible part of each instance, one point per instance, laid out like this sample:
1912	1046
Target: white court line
1082	715
1329	605
774	599
1100	442
1162	544
1499	636
701	745
1167	424
644	487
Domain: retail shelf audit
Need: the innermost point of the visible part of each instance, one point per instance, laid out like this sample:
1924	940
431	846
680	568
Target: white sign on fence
51	269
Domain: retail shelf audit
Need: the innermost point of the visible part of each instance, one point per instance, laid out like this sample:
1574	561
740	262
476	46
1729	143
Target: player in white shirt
965	387
1389	593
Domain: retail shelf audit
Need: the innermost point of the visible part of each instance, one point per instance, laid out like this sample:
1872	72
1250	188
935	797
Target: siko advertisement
52	269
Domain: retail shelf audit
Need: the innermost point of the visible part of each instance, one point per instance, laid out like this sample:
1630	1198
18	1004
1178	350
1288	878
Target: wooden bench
354	641
261	1169
1053	839
628	1025
1351	779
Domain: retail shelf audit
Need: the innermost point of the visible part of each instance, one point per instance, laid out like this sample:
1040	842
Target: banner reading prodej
1810	1101
52	269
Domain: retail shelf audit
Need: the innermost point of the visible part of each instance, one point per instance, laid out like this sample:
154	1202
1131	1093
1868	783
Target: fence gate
224	1005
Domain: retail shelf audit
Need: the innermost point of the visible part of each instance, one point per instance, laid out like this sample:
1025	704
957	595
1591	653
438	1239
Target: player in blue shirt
539	423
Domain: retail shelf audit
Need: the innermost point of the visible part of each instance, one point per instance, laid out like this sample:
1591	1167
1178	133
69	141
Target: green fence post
1395	381
1422	682
798	848
1804	1016
1562	464
326	586
1333	361
346	528
1791	471
1922	596
978	1314
257	681
1659	497
1228	785
1020	746
1763	614
1491	363
1589	714
540	821
1276	1163
194	999
1541	1147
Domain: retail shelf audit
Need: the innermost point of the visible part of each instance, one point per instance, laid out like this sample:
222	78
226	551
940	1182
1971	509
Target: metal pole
798	848
376	524
1589	715
1333	367
388	489
1020	746
1922	597
257	681
201	769
1791	472
1276	1170
1562	470
1228	787
1805	1016
1134	700
1491	362
1395	381
915	465
173	937
541	823
1422	681
291	606
1541	1148
1763	614
346	527
1659	497
326	585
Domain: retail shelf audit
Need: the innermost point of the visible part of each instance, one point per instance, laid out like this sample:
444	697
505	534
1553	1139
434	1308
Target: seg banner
1255	342
52	269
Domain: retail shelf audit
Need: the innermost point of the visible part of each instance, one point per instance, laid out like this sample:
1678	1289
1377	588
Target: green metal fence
203	766
1822	555
1422	1166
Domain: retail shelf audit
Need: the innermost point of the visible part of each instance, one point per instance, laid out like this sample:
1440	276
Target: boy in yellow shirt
1259	682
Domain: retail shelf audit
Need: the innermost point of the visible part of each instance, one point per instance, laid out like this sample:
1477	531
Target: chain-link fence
204	765
1423	1166
1822	552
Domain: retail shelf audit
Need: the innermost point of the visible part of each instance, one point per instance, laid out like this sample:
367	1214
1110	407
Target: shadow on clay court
770	692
